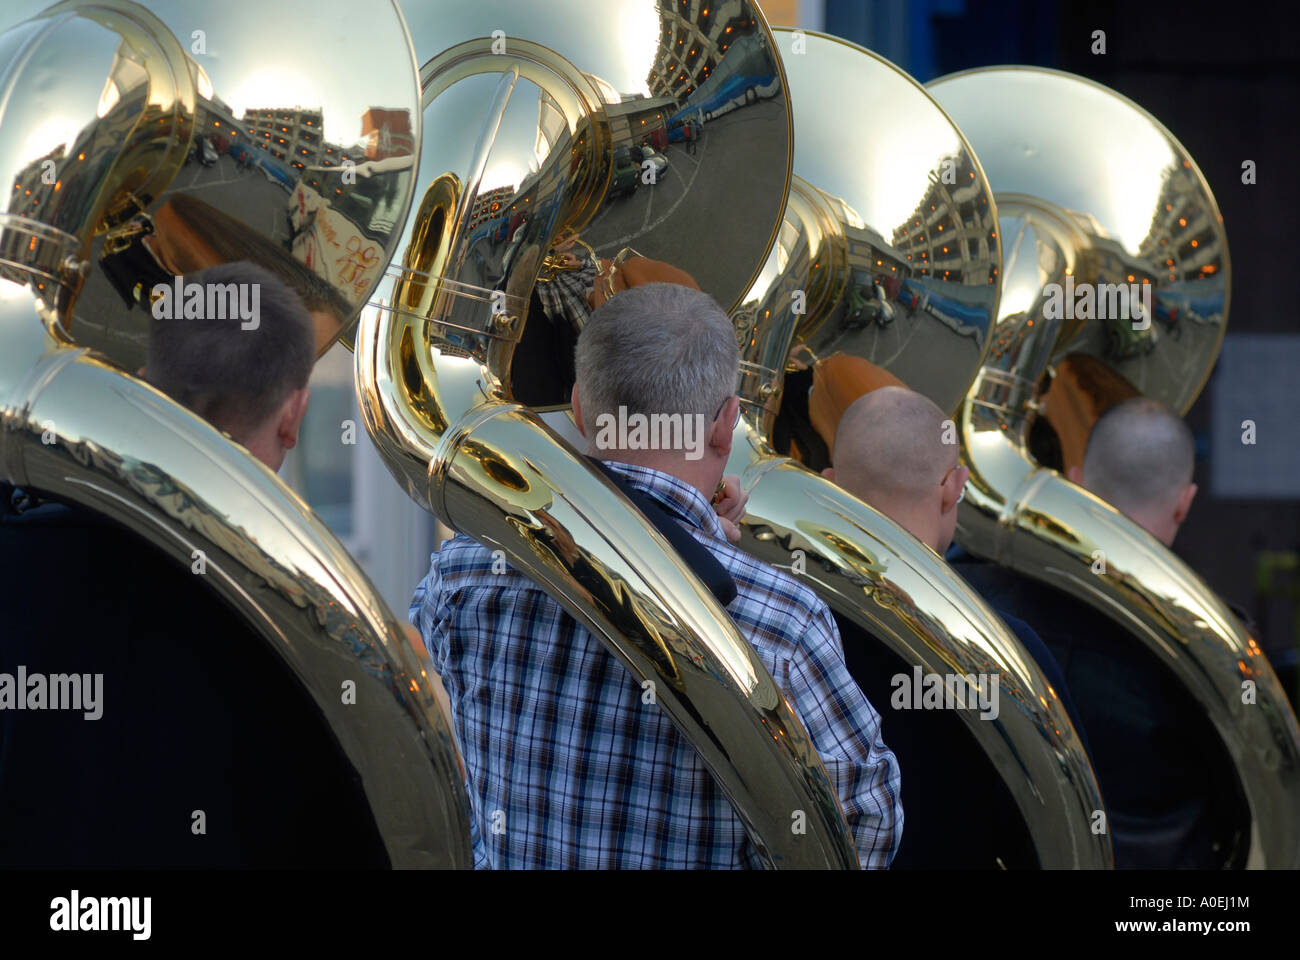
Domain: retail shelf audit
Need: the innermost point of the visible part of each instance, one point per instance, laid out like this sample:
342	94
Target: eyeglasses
717	413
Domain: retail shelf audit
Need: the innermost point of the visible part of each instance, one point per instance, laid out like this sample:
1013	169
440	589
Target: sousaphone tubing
1093	190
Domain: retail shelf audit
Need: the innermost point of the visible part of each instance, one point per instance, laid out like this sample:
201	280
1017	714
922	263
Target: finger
728	489
734	512
733	503
730	529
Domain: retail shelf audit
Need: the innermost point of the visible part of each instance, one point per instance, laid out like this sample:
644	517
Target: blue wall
929	38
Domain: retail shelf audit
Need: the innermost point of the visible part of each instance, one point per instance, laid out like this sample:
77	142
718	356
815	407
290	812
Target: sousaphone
879	166
1091	189
531	114
100	104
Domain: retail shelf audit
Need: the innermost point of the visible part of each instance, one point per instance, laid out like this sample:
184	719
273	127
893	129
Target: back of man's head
895	449
243	362
1139	458
663	356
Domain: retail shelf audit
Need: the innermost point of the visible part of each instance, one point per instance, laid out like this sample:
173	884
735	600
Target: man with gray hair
557	739
1139	460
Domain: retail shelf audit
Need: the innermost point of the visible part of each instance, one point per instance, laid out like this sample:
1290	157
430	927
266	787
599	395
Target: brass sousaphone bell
846	278
1091	189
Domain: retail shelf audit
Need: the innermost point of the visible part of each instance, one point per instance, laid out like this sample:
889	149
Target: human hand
730	502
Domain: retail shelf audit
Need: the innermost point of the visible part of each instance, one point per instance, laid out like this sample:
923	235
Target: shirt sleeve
845	730
425	615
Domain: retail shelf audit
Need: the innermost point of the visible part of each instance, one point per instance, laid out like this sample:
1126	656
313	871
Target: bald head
895	449
1139	459
889	443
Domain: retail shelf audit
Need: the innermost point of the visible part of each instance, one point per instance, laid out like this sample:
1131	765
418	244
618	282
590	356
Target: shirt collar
676	496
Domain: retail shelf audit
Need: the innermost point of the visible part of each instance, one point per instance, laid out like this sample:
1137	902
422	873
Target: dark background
1224	78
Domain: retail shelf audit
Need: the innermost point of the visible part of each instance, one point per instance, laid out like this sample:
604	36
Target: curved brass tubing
880	577
72	425
1033	520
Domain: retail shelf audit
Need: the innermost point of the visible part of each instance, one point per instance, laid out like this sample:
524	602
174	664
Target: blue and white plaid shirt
568	768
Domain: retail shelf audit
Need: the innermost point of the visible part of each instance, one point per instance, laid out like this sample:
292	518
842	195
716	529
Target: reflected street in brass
235	166
889	249
592	134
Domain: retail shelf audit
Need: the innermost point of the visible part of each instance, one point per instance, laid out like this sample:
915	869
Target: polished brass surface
880	174
593	83
98	104
522	135
889	249
330	156
1091	189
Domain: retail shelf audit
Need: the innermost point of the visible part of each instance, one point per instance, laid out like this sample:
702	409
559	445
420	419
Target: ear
720	434
577	409
829	474
1075	475
1184	504
291	413
952	488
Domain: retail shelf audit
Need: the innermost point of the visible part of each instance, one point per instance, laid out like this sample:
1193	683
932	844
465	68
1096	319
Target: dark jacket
198	714
959	813
1163	771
